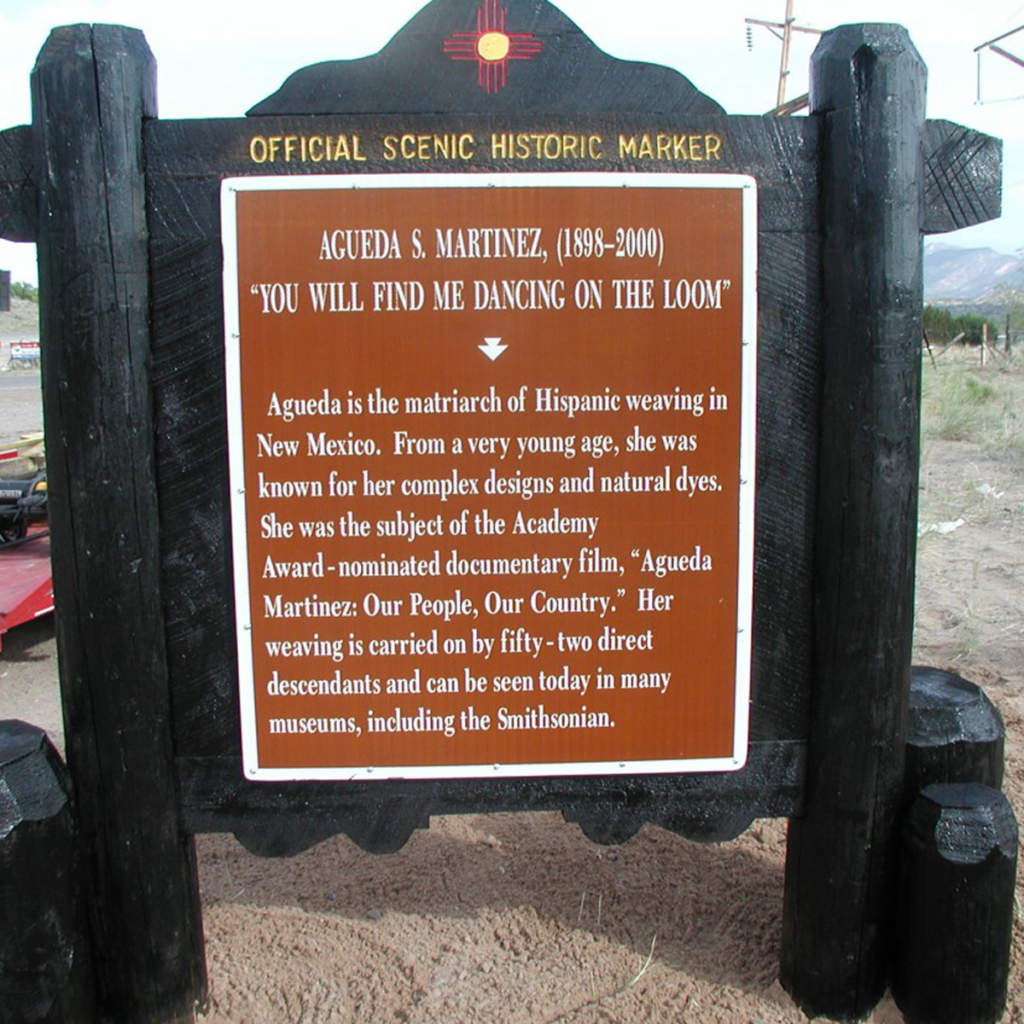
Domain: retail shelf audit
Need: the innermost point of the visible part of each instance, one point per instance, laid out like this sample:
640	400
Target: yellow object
493	46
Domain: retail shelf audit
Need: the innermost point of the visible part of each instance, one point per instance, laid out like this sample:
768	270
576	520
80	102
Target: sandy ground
519	919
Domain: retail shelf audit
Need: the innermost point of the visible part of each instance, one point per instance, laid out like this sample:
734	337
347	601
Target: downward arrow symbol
492	348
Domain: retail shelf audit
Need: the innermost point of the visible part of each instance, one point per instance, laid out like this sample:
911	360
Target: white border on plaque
230	187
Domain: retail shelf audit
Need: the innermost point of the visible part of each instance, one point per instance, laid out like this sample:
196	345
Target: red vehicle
26	582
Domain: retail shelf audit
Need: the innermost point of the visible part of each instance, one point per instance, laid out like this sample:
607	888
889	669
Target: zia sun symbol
492	47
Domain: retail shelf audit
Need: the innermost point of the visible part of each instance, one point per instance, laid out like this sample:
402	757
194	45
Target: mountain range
956	276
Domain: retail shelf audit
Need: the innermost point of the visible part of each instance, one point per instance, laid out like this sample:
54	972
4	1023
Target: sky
216	58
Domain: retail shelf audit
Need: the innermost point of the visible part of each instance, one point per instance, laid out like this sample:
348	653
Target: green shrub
962	405
977	391
942	327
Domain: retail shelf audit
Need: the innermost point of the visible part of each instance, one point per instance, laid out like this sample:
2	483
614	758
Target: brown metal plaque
492	455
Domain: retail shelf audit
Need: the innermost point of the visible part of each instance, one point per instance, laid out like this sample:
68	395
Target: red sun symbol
491	46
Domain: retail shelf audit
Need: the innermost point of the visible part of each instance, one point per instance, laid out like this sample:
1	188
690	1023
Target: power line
1000	38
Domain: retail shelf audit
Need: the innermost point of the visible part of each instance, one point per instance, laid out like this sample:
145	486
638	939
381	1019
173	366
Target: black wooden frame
185	163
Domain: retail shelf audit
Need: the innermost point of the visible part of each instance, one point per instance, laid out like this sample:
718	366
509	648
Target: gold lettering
545	146
664	146
304	148
430	147
258	149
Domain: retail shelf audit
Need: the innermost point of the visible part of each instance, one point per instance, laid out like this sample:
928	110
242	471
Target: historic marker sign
491	455
492	458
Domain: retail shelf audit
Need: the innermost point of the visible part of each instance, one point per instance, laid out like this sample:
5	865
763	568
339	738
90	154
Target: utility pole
787	39
784	32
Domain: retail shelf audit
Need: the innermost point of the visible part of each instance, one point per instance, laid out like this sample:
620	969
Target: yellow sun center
493	46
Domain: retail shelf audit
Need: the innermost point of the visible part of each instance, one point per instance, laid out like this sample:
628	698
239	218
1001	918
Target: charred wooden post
954	733
957	881
45	968
91	89
19	197
868	88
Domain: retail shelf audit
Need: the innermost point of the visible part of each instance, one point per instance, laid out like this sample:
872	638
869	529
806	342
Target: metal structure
993	47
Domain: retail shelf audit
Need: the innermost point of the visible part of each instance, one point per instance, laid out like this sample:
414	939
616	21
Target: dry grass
971	548
964	401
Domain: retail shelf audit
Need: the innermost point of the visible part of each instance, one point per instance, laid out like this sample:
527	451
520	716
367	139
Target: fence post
91	89
955	918
868	89
45	970
954	733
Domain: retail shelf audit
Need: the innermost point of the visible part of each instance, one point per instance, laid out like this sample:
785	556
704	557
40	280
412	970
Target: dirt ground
20	410
20	322
519	919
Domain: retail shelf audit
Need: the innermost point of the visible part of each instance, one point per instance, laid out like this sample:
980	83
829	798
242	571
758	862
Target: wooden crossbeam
963	184
790	107
963	177
18	195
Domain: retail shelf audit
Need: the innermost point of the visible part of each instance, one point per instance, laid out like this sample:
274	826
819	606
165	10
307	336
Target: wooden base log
959	864
45	969
954	733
